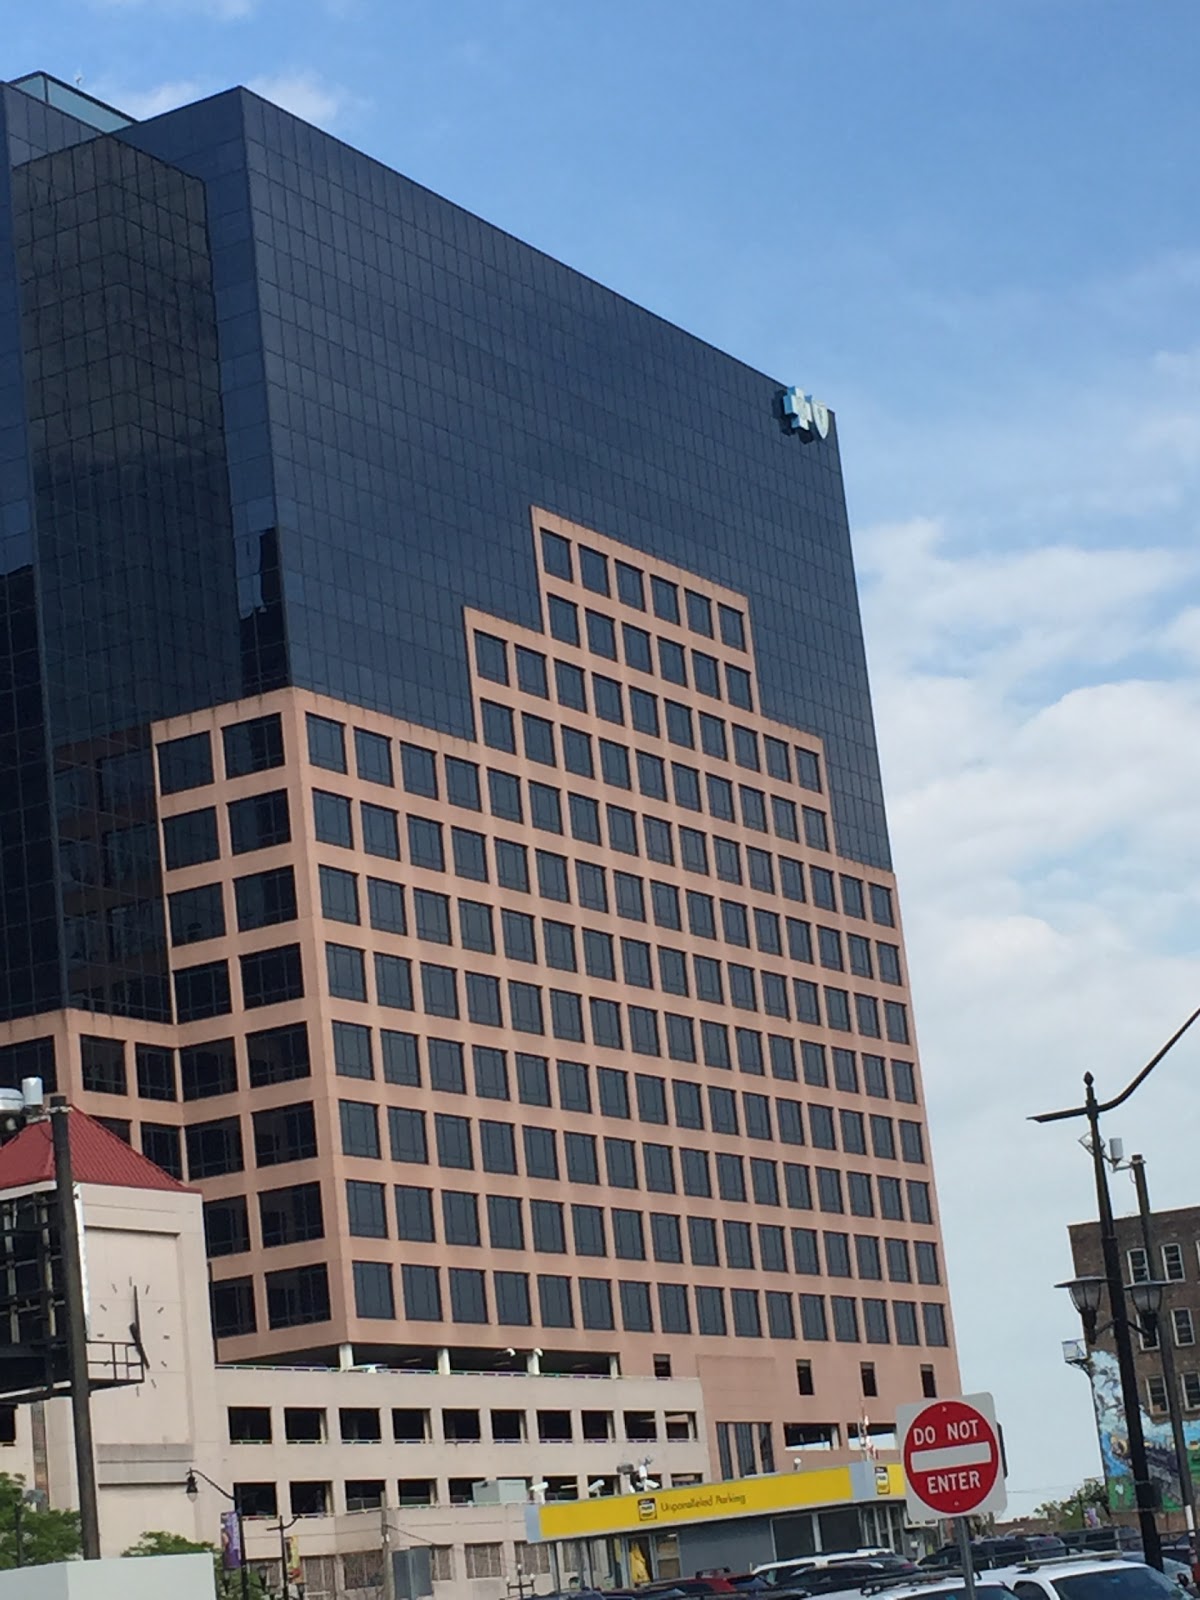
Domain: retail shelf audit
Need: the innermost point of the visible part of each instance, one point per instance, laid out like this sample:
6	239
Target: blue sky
973	228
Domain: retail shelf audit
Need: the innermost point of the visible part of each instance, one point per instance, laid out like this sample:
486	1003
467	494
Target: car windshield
1116	1583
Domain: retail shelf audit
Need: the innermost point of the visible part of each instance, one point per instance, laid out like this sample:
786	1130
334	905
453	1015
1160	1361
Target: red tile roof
97	1156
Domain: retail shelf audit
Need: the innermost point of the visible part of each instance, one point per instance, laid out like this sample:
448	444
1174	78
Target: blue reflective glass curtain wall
273	413
427	378
29	924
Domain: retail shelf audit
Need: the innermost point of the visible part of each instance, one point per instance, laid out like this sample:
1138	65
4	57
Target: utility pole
76	1311
1142	1485
1166	1334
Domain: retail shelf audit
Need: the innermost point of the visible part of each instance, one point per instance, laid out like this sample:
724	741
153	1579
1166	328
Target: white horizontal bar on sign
977	1454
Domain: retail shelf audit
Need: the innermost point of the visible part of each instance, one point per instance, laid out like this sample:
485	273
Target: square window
564	620
418	768
556	555
504	795
531	673
491	657
631	585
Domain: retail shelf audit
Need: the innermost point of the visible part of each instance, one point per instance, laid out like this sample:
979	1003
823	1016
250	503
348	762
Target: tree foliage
30	1535
229	1584
1072	1512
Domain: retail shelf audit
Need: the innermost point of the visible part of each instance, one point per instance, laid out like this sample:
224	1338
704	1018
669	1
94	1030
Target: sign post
952	1465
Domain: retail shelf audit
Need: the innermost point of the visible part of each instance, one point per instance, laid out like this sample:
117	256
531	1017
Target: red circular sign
951	1457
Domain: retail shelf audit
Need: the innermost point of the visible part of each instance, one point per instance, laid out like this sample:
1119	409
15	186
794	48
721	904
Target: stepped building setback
442	823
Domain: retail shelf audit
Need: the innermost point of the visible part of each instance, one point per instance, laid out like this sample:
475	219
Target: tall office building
441	816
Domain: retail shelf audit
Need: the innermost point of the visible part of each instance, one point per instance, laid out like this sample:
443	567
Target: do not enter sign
951	1452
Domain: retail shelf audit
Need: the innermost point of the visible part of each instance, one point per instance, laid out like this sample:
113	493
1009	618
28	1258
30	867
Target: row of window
1189	1384
1183	1329
333	823
295	1214
408	1059
280	1055
551	745
628	585
215	1148
581	1159
268	978
255	745
458	1425
1173	1264
199	913
455	1217
298	1296
530	1008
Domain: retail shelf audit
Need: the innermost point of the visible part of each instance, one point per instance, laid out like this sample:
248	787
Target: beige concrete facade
820	1214
331	1453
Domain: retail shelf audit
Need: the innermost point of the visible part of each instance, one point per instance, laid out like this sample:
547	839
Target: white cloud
216	10
142	104
1042	793
304	94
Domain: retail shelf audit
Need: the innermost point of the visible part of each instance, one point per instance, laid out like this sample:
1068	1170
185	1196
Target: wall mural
1114	1440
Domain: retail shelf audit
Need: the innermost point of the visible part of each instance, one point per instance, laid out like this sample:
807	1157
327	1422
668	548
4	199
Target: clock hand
135	1329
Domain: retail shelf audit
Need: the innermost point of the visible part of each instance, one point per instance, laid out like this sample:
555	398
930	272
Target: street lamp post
1183	1465
1091	1109
191	1488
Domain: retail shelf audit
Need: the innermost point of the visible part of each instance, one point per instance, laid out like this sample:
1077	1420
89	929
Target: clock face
146	1325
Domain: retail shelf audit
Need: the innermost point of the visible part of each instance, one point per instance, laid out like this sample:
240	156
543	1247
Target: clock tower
146	1285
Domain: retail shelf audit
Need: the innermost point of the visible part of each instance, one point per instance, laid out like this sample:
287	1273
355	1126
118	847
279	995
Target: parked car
999	1551
1086	1577
779	1574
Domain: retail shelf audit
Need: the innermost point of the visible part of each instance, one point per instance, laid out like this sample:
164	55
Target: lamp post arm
1111	1105
197	1473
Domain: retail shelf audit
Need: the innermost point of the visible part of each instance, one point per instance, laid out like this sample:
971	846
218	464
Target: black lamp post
1144	1490
191	1488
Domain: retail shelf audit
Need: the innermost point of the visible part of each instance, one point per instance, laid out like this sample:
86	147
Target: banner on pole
232	1554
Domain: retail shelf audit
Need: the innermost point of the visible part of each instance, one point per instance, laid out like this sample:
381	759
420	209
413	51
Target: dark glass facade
271	413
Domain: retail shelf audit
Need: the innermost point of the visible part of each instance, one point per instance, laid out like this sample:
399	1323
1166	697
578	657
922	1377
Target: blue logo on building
805	416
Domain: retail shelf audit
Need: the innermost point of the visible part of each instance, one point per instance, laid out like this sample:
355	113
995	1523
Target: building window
285	1133
272	976
297	1296
202	991
103	1065
1181	1319
185	763
1156	1392
265	898
373	757
290	1216
1172	1260
206	1070
260	821
253	746
1190	1382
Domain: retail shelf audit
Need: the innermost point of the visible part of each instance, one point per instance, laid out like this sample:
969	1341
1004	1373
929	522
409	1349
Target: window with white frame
1181	1318
441	1562
1156	1393
1139	1266
487	1560
1149	1341
1189	1382
1172	1260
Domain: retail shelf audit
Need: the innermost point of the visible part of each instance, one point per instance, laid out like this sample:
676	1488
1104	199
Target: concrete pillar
444	1362
533	1365
345	1357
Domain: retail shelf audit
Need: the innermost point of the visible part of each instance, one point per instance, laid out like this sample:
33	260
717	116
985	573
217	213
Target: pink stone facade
616	1062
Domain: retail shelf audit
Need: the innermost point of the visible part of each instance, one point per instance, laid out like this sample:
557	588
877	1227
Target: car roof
944	1585
825	1559
1058	1566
